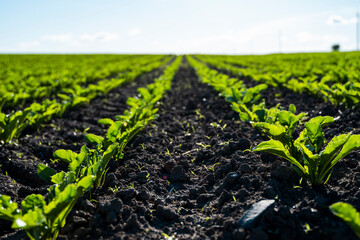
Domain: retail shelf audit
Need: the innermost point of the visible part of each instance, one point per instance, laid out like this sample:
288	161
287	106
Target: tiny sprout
212	168
167	152
132	185
198	114
167	237
307	228
139	167
203	145
115	189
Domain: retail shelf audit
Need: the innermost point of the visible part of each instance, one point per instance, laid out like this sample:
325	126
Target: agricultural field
180	147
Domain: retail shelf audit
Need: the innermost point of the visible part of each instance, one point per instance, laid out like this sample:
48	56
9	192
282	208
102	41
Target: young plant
305	152
246	96
348	214
43	220
87	162
11	125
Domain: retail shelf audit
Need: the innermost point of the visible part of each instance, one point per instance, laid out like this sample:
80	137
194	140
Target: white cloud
134	32
70	39
30	44
339	20
100	36
61	38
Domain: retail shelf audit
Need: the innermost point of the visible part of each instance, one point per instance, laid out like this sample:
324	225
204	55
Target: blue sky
187	26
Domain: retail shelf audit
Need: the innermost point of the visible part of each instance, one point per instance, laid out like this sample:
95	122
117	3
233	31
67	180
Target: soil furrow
19	162
187	176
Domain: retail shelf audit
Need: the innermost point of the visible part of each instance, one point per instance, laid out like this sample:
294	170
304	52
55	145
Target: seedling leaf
45	172
348	214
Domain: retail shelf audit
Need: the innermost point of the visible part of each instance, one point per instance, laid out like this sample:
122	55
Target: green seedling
11	125
115	189
167	152
132	185
348	214
307	228
198	114
204	146
167	237
179	210
305	153
41	219
212	168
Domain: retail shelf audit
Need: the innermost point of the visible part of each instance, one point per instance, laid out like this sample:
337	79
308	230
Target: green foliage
45	172
245	101
106	121
8	208
45	76
12	124
305	152
86	170
348	214
70	92
331	76
43	220
93	139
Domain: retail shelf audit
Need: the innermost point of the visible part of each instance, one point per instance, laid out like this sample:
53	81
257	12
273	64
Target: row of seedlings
43	217
12	124
329	87
26	78
307	153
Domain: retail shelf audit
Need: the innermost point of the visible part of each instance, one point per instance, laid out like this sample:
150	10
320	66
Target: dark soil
187	175
18	162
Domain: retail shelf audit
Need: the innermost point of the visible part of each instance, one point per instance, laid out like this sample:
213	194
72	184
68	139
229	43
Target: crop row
12	124
43	217
333	77
33	77
307	153
292	136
